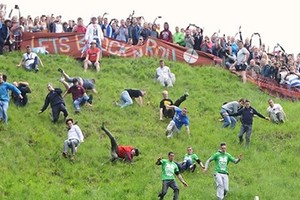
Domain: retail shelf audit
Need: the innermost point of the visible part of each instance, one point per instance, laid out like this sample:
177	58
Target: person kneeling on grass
75	137
125	153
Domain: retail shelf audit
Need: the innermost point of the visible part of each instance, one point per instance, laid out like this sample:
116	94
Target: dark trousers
165	185
170	112
114	145
57	109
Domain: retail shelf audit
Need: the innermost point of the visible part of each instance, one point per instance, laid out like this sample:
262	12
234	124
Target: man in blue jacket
4	97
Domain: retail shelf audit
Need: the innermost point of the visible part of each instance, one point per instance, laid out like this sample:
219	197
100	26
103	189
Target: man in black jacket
56	101
247	113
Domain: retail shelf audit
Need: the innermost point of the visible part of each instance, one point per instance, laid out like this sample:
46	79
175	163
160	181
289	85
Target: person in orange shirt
92	57
126	153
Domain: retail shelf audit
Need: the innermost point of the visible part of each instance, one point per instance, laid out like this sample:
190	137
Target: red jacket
125	152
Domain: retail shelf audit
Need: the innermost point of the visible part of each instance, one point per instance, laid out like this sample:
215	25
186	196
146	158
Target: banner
73	44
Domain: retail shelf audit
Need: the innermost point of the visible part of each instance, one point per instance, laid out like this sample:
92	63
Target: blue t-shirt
180	119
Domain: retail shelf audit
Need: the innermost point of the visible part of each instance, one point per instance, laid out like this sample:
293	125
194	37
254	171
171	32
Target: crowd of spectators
273	64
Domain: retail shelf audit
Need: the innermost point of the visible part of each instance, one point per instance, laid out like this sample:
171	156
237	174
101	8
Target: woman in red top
125	153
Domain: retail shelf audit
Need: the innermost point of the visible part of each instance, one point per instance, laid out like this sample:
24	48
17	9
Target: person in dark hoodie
55	99
166	34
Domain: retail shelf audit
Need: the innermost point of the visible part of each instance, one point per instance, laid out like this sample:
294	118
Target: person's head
94	20
166	26
247	103
135	152
271	103
161	63
93	43
190	150
28	49
242	101
184	111
240	44
171	156
143	92
165	94
75	81
69	122
252	62
223	147
50	87
4	77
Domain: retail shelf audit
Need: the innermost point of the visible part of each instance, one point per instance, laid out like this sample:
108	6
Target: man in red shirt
125	153
92	57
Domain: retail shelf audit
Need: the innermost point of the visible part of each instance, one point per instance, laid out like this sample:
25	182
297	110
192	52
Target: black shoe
36	70
60	70
102	126
90	101
193	167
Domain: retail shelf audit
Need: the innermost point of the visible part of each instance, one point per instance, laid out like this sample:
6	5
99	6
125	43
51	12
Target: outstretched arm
182	180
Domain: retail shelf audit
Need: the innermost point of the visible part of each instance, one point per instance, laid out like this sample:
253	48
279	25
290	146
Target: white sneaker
169	136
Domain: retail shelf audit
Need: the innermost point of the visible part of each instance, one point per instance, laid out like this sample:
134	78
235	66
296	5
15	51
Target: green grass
30	147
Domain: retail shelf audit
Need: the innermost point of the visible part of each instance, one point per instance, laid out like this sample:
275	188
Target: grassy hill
30	147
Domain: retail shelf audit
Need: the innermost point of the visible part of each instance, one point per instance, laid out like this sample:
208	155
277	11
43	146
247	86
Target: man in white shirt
75	137
276	112
94	32
164	75
30	60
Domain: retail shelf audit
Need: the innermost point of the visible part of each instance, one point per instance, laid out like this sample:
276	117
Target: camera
16	6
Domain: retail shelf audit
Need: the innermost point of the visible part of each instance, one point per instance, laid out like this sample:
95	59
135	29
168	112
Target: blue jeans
228	120
3	111
125	99
80	101
71	143
184	165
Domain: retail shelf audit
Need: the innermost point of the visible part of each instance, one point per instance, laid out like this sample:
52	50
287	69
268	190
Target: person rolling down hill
123	152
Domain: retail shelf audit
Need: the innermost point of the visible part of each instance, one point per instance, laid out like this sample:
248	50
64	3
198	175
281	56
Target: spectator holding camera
240	65
79	27
189	40
122	31
206	45
198	38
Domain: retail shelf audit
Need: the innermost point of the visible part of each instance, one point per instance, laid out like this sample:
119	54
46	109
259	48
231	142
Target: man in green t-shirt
222	158
169	170
189	161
